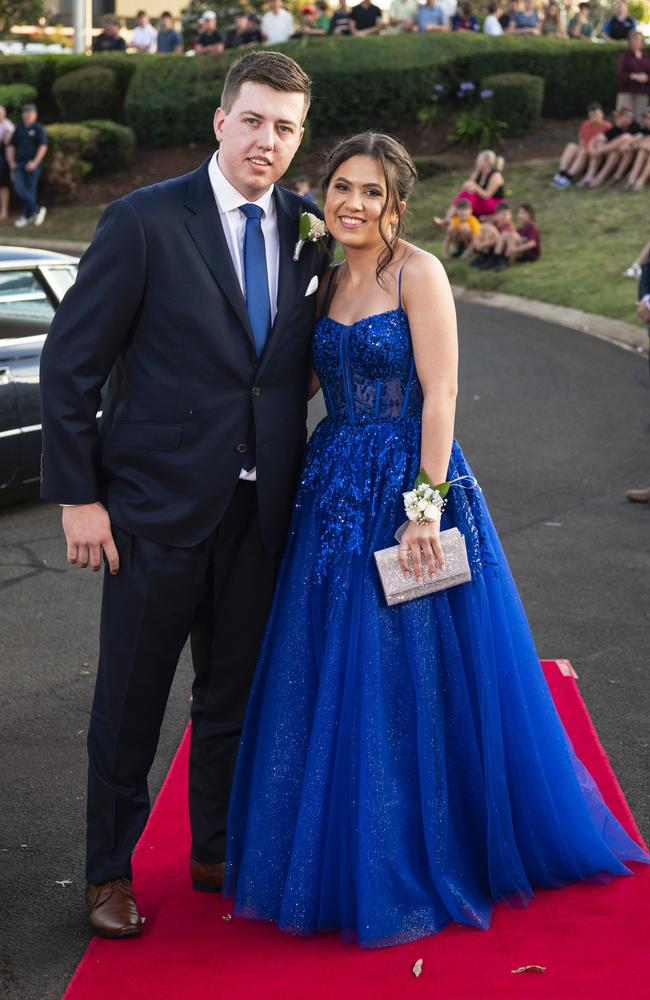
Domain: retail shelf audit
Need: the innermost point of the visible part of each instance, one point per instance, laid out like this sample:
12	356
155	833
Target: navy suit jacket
158	314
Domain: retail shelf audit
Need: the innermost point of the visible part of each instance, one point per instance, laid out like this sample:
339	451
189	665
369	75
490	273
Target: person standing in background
144	35
342	23
633	76
25	154
209	39
7	129
109	40
492	24
169	39
277	24
323	16
403	16
367	18
432	16
619	27
526	21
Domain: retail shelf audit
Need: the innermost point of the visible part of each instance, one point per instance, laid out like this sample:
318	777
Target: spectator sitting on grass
109	40
575	155
579	27
432	16
526	21
342	23
208	39
169	39
553	23
484	189
610	145
618	27
520	245
403	16
144	35
492	24
638	147
465	21
462	229
640	171
486	242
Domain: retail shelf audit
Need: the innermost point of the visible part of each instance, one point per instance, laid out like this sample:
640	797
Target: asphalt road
556	425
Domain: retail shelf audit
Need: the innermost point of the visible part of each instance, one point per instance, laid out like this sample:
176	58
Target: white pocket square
312	286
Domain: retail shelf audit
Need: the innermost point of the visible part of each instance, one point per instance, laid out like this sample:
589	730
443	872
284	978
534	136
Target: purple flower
467	86
439	88
486	93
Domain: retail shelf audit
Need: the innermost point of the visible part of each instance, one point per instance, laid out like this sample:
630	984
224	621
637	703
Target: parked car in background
32	284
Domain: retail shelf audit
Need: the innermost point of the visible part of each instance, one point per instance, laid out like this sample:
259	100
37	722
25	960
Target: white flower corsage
424	503
311	229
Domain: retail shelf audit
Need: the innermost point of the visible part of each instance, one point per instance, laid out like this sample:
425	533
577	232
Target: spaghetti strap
399	278
329	291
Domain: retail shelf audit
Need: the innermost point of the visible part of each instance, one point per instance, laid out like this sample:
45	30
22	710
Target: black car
32	283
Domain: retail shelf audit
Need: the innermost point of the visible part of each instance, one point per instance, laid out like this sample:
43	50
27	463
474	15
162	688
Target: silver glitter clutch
399	588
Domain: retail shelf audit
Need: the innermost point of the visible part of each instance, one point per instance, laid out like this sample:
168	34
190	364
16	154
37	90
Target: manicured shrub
69	158
87	93
113	146
14	95
516	99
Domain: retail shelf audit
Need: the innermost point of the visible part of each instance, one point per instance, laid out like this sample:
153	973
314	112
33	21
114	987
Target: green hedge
87	93
378	82
76	150
516	99
113	146
14	95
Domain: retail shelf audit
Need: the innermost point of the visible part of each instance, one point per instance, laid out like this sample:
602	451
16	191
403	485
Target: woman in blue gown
400	767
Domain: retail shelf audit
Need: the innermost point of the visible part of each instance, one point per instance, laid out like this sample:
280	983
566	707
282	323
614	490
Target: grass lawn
588	239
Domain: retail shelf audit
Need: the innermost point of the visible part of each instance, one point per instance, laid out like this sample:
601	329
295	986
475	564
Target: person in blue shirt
526	21
169	39
432	17
618	27
25	154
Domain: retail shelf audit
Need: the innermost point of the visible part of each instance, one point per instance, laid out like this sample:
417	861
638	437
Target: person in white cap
209	39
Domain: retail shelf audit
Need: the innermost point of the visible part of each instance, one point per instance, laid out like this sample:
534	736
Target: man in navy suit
190	306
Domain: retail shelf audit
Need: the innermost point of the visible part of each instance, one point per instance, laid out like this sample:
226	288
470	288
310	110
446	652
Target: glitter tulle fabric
400	767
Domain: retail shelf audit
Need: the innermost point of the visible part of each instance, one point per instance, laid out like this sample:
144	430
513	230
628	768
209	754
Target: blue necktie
256	276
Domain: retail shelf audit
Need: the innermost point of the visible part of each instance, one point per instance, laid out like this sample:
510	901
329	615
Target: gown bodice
367	370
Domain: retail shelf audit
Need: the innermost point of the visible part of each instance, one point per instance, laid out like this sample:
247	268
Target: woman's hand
420	544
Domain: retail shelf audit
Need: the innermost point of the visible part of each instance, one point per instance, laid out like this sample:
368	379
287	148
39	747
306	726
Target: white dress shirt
145	34
277	28
229	202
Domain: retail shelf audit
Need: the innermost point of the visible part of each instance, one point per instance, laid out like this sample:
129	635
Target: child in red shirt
520	246
575	155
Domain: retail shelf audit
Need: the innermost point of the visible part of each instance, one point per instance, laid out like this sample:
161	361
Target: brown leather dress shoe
112	909
639	496
207	878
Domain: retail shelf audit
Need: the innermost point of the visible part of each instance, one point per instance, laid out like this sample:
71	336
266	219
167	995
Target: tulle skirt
404	766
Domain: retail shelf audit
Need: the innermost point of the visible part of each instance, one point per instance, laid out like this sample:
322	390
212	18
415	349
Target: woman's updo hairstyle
400	176
493	161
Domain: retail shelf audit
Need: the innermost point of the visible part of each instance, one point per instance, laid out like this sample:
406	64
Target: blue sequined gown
404	766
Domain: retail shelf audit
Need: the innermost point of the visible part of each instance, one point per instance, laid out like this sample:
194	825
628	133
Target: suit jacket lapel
206	230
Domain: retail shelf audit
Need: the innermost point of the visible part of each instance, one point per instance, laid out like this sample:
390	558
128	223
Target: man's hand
30	167
88	532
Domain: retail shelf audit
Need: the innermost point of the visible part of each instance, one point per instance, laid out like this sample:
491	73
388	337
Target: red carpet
593	940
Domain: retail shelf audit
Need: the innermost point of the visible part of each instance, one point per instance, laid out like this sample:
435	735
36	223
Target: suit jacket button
241	448
256	390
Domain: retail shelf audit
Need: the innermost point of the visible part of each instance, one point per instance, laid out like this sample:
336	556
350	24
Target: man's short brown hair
273	69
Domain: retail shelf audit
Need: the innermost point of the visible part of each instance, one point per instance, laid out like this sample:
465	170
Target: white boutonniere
311	229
